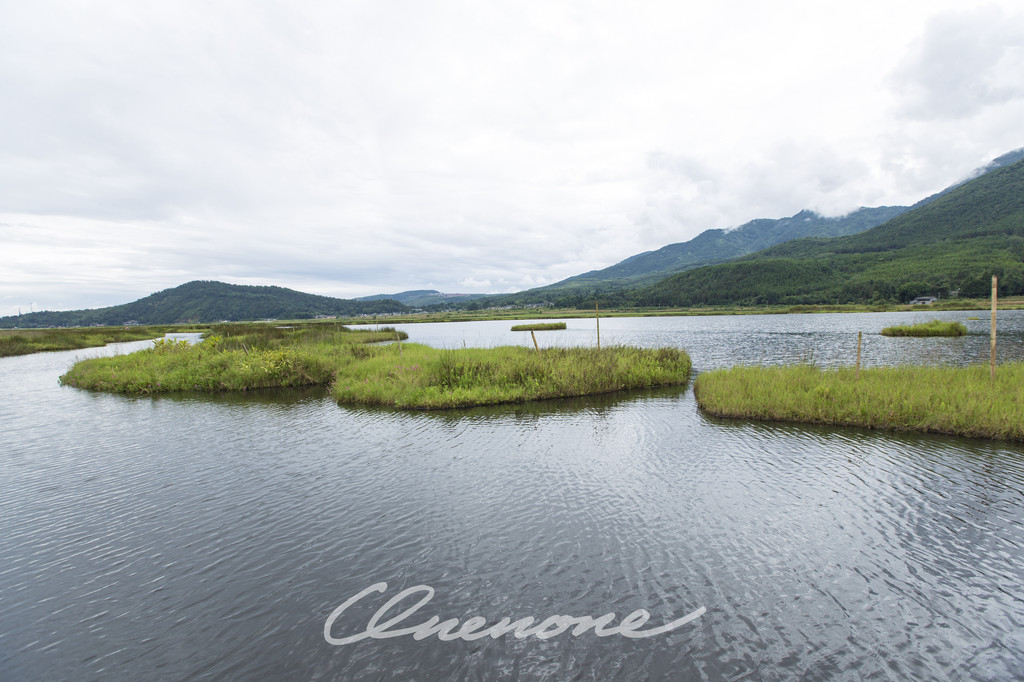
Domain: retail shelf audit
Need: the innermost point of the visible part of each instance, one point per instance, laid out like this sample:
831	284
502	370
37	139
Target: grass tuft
538	327
25	341
235	357
958	401
933	328
428	378
407	376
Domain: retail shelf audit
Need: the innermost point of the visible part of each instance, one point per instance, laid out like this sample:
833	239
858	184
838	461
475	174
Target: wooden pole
859	334
399	337
534	337
597	317
992	333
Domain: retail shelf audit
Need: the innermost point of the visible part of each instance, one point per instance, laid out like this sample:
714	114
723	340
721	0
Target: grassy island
933	328
25	341
538	327
958	401
232	357
428	378
400	374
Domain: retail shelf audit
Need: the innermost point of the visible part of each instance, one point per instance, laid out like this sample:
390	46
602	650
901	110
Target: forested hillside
952	245
208	302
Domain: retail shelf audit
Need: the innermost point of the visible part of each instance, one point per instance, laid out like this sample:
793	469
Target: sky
349	148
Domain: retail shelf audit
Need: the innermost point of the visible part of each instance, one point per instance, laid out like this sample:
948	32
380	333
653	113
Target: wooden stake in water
597	317
992	334
859	334
534	337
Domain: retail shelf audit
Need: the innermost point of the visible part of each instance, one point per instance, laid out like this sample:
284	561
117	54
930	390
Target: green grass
25	341
933	328
428	378
959	401
538	327
233	357
400	375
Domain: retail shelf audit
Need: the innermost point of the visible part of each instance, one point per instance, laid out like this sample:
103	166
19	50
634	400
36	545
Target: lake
211	537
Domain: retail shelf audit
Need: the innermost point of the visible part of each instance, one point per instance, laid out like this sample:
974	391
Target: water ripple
210	537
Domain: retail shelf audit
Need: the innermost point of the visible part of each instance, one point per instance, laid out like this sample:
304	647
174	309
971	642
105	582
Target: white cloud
966	61
364	147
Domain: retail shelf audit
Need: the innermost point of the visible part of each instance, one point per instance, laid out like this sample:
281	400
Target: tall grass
410	376
538	327
250	356
959	401
933	328
428	378
25	341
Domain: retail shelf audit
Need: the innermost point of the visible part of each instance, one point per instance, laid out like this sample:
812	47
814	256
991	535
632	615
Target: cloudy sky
347	148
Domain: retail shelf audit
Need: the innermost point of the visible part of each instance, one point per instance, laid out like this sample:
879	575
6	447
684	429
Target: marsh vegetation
231	357
25	341
538	327
922	329
360	371
431	378
963	401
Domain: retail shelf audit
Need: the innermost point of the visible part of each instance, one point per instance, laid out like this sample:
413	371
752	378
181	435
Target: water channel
211	536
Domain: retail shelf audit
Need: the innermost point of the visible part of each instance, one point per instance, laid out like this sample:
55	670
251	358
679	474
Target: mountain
949	245
208	302
716	246
421	298
710	246
721	245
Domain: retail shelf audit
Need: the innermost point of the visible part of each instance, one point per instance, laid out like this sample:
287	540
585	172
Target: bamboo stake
399	337
992	334
597	317
859	334
534	337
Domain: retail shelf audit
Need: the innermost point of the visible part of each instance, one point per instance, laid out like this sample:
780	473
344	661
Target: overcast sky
349	148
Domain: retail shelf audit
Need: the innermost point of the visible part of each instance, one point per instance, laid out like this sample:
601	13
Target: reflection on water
828	340
210	536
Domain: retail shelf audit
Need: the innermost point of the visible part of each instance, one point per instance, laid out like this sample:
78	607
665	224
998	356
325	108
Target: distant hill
949	245
422	298
716	246
203	302
709	247
721	245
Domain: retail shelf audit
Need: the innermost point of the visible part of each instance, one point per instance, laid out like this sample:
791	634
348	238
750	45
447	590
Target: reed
247	357
933	328
25	341
406	376
959	401
538	327
428	378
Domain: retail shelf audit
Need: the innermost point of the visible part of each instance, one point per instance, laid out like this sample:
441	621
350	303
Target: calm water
211	537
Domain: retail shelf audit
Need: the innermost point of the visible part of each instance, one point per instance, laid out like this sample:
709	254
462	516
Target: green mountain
420	298
717	246
208	302
950	245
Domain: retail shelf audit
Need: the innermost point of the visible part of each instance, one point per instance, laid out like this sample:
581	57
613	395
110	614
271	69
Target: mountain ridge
952	244
422	297
720	245
204	301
